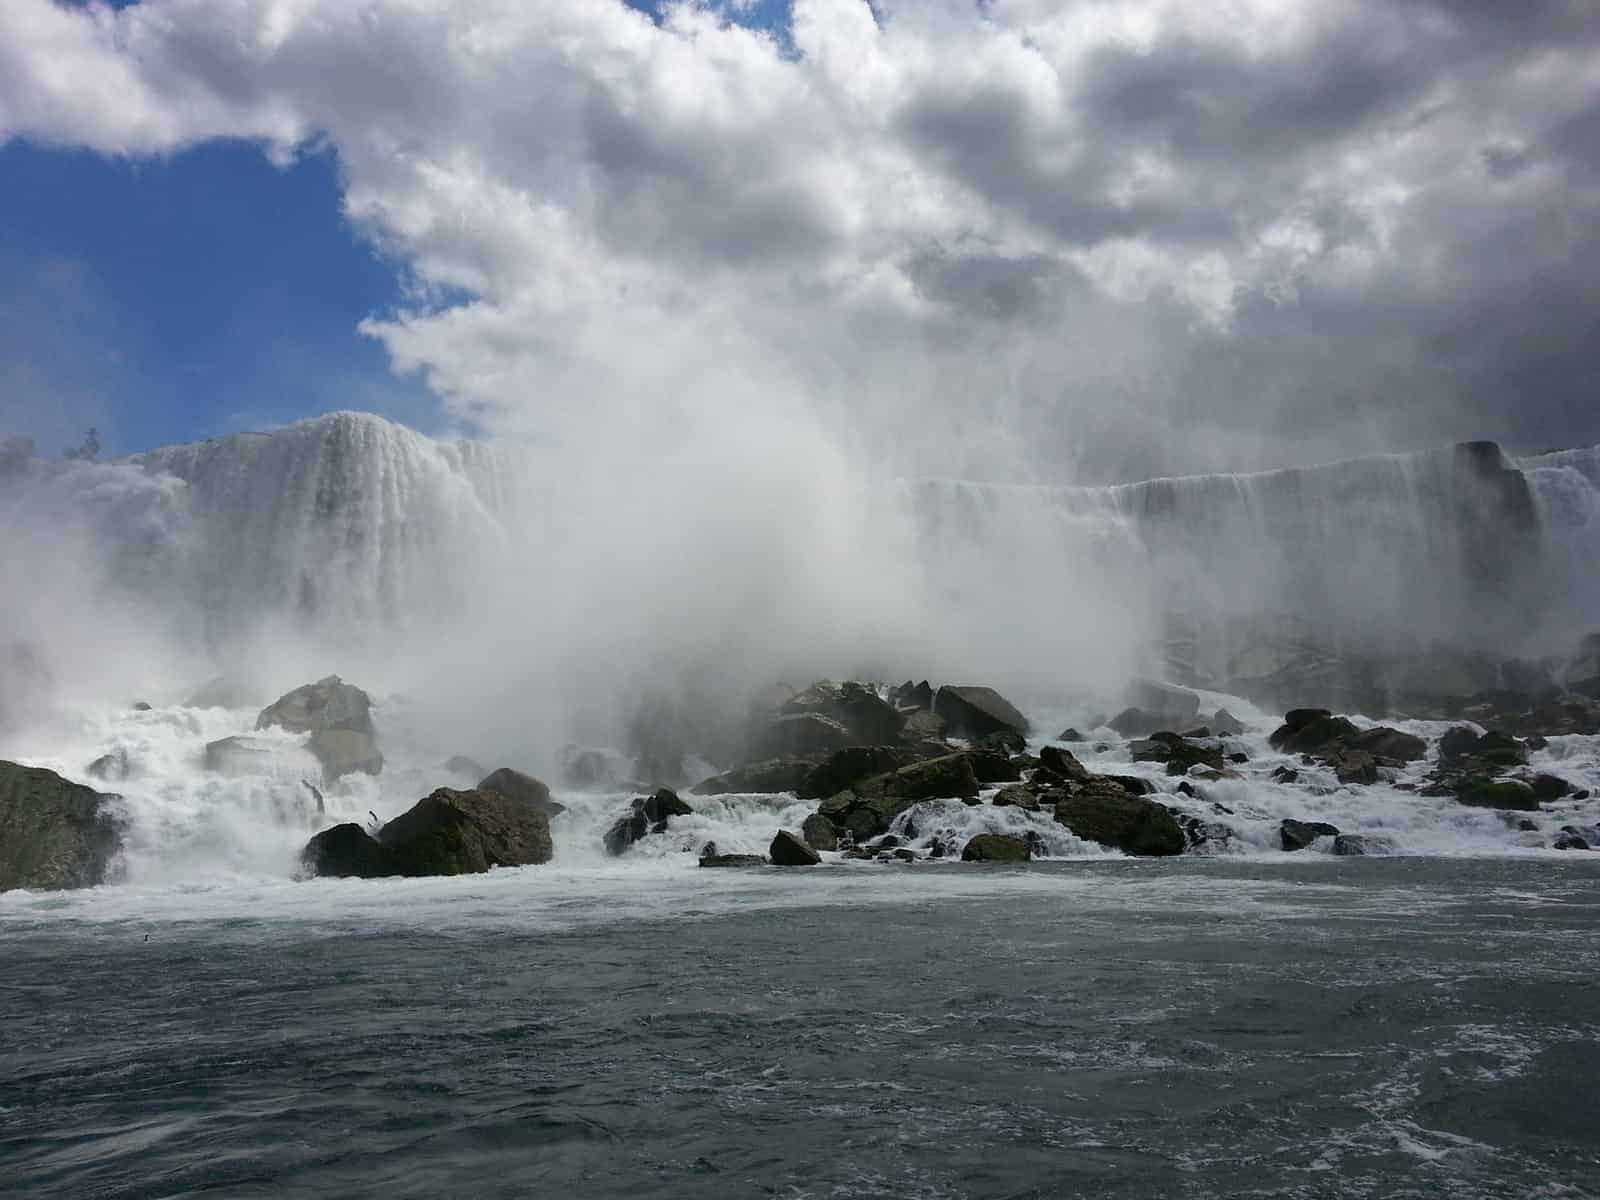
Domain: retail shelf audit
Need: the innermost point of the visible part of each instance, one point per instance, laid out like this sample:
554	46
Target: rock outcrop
769	775
1103	811
54	833
526	789
338	716
973	712
790	850
463	832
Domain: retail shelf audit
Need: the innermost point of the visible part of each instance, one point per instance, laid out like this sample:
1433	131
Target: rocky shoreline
875	761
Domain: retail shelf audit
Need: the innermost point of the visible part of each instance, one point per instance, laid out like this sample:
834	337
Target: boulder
770	775
1102	811
1350	845
868	719
845	767
917	696
1570	839
1285	774
1137	723
1016	796
54	833
799	734
1548	787
1297	719
1069	734
339	718
347	851
1225	724
464	832
645	815
1297	835
819	833
1178	705
1391	743
1509	794
974	712
709	857
790	850
996	847
1353	766
1063	763
241	755
869	807
923	725
524	788
1318	734
990	767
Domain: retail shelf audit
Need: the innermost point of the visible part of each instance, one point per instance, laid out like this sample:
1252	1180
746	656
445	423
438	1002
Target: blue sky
174	298
169	299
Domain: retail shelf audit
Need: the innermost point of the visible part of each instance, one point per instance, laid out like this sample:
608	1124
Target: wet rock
1570	839
770	775
1134	785
917	696
710	858
800	734
996	847
338	716
141	706
1137	723
936	848
525	789
347	851
645	815
54	833
1178	705
991	767
1238	757
1384	742
1069	734
464	832
867	718
1314	734
593	768
110	767
819	833
1016	796
1353	766
870	806
789	850
1350	845
1004	743
905	855
922	726
845	767
1526	826
1297	719
1062	763
1297	835
1511	794
1548	787
974	712
1225	724
1102	811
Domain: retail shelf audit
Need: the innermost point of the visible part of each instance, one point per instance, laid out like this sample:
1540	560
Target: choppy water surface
1321	1027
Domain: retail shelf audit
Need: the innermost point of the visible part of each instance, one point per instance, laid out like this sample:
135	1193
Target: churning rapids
1237	1019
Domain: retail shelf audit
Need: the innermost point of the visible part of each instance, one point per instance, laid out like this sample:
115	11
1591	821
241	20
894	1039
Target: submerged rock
515	785
1570	839
54	833
790	850
709	857
1103	811
1350	845
996	847
975	712
1297	835
464	832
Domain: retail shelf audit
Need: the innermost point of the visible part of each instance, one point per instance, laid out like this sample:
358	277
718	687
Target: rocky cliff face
54	833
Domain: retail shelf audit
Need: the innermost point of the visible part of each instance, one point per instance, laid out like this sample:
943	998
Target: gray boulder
770	775
790	850
798	734
996	847
819	833
1297	835
347	851
843	768
339	718
974	712
465	832
867	809
869	719
54	833
523	788
1103	811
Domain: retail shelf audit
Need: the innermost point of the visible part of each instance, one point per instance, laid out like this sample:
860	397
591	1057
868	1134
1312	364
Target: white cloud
930	213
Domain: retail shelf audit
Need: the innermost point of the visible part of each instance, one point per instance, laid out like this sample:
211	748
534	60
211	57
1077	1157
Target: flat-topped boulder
974	711
54	833
996	847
